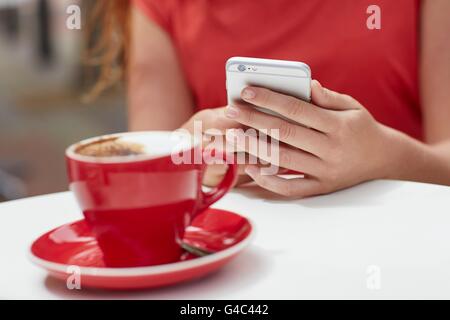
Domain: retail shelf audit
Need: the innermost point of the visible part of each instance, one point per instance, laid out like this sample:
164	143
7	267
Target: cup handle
228	181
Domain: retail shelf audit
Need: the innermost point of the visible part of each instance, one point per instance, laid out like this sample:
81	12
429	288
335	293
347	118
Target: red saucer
219	231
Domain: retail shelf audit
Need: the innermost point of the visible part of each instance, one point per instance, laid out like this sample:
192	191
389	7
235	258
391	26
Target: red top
377	67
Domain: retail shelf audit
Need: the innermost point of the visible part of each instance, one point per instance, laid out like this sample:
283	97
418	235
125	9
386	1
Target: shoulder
159	11
160	5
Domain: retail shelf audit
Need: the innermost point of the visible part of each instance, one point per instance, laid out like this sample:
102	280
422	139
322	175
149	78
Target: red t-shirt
377	67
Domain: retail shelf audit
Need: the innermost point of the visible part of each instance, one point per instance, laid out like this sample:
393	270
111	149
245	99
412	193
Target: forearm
157	103
159	97
413	160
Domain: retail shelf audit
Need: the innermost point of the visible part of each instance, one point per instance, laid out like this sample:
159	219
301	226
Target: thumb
329	99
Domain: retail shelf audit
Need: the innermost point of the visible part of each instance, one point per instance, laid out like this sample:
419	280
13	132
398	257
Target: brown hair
108	34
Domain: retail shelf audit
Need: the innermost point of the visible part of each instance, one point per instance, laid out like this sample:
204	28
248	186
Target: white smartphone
288	77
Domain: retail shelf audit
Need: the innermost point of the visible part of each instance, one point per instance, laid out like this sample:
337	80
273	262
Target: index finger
292	108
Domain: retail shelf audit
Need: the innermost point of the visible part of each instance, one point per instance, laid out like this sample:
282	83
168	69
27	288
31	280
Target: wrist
406	157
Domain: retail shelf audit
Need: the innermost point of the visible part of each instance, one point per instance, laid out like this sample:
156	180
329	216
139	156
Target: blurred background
42	82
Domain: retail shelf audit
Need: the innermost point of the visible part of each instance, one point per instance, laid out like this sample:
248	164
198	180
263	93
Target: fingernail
248	94
318	83
251	171
209	154
212	152
232	112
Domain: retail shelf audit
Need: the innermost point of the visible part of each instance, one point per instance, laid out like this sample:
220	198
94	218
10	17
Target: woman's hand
209	120
336	143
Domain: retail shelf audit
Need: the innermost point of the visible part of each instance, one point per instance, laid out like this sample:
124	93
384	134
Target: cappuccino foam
112	147
150	143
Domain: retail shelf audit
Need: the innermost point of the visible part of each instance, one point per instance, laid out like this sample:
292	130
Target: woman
383	110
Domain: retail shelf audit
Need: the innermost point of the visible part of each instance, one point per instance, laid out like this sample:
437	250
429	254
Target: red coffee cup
138	206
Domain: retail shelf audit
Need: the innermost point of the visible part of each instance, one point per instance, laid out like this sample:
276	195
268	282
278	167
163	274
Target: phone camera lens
241	68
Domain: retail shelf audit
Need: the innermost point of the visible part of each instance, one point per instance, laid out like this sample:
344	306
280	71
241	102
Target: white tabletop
383	239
